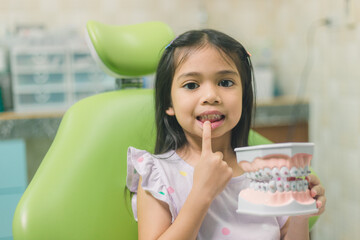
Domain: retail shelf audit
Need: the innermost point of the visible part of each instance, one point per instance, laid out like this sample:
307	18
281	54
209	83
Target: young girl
189	189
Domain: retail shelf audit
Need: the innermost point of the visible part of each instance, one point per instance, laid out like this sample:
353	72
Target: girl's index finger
206	137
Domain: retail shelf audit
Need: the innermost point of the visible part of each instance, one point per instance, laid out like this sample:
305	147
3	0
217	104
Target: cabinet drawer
39	78
24	58
44	58
41	101
41	98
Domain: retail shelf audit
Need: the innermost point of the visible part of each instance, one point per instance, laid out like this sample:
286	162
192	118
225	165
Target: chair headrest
128	50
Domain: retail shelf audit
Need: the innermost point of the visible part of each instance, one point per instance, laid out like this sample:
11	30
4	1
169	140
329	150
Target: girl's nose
211	96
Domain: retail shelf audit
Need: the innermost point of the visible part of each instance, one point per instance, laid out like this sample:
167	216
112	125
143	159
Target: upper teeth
276	179
266	174
210	117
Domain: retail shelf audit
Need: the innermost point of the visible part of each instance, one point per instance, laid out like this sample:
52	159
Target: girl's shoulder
138	156
155	167
165	176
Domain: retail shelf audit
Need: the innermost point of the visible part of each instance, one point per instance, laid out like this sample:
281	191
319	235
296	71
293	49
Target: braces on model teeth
279	180
277	174
298	185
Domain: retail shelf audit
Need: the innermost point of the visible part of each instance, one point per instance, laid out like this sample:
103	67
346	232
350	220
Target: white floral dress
169	178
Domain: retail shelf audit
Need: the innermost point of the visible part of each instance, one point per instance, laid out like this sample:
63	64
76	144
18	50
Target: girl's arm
211	174
296	228
154	218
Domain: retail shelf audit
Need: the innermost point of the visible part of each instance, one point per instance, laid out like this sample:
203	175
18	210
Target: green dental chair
78	192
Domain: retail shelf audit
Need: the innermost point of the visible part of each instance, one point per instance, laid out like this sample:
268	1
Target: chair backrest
78	190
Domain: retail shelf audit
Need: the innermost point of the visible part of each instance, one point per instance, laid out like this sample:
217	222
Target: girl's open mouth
211	118
215	119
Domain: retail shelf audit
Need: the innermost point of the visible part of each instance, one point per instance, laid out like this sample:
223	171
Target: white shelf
53	77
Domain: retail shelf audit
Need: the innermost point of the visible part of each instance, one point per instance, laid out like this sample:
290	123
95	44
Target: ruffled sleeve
142	163
282	220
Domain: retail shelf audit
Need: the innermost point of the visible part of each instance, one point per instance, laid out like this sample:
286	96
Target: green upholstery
78	190
129	50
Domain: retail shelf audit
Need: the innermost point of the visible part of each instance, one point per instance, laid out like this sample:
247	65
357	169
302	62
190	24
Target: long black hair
170	135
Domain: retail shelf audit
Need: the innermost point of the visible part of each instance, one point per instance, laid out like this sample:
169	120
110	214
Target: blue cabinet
13	182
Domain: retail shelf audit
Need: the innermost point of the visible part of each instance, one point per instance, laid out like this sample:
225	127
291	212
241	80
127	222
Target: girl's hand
211	174
317	191
297	227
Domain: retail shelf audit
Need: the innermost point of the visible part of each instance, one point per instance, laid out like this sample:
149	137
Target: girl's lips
213	124
217	123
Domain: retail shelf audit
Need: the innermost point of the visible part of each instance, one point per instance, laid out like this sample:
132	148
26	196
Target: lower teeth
299	185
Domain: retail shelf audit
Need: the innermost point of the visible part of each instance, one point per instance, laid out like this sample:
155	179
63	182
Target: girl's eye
226	83
191	85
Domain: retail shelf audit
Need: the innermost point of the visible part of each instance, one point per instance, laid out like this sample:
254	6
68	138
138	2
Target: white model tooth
284	172
293	185
252	176
306	169
247	174
262	187
306	185
262	174
252	185
268	173
272	186
294	171
303	186
287	186
266	187
275	172
257	186
302	172
299	185
257	175
279	186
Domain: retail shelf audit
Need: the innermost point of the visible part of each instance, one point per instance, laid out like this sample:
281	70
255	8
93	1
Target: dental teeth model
277	179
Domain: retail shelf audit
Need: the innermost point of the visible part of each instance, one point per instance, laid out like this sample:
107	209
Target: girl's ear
170	111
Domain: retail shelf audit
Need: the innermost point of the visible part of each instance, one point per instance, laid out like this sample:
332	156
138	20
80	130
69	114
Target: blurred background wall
311	46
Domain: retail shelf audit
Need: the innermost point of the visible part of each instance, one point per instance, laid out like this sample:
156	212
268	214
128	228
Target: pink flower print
225	231
170	190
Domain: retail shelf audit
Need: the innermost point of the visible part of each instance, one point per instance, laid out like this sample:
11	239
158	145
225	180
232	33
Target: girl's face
206	86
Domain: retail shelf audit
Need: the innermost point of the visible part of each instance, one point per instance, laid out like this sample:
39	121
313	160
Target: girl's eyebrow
227	72
196	74
189	74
